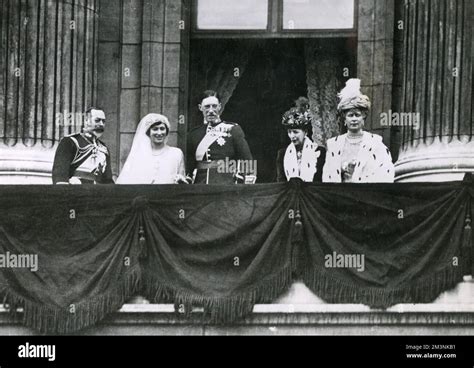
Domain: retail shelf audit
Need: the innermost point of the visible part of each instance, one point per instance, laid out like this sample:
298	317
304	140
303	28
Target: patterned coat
373	163
319	159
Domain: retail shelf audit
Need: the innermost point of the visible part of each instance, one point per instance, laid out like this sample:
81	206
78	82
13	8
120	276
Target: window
318	14
232	14
274	18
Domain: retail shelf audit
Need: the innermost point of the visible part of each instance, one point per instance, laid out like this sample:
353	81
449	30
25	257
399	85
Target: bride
151	160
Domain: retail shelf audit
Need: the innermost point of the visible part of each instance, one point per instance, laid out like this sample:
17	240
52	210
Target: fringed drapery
225	248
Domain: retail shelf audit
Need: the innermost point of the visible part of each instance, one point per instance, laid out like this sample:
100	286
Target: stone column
47	79
436	65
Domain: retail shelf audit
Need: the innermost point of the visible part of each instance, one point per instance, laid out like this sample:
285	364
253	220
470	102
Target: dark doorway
273	79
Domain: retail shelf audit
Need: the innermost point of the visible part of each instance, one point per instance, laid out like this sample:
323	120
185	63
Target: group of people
354	157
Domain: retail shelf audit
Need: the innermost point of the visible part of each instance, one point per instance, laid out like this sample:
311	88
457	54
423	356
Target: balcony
286	258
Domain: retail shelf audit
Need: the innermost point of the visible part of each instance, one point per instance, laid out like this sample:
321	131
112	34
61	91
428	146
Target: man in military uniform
212	145
83	158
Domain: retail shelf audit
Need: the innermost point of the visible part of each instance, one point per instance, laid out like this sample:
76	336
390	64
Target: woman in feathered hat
357	156
151	160
303	158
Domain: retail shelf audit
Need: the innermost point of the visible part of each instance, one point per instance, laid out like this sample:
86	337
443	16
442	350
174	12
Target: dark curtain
273	80
227	248
326	64
216	66
87	247
229	251
406	234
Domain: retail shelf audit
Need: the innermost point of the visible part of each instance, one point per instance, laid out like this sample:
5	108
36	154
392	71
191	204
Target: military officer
83	158
215	143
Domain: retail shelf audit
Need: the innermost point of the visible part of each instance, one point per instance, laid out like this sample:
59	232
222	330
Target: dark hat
298	117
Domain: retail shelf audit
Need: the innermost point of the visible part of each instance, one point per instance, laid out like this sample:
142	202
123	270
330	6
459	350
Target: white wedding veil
139	161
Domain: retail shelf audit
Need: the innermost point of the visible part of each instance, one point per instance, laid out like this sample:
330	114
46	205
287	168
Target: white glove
75	181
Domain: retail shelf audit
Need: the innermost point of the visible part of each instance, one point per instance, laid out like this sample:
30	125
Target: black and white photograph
250	167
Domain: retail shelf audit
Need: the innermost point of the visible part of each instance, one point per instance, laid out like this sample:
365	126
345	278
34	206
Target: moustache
99	130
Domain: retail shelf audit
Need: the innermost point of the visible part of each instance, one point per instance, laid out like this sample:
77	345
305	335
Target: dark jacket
233	147
68	159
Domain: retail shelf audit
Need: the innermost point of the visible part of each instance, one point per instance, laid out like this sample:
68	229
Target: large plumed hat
298	117
351	97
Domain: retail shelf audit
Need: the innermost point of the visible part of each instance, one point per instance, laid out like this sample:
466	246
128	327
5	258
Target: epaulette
71	135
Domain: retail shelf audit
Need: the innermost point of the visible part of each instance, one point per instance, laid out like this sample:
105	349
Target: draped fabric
232	249
324	78
87	247
225	248
218	68
407	238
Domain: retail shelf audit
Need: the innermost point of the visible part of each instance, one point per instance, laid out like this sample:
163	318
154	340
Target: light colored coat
374	162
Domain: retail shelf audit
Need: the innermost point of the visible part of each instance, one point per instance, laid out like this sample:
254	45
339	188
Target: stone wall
143	68
375	59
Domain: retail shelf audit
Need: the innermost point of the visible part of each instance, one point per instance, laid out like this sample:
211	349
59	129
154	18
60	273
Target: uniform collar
212	126
90	137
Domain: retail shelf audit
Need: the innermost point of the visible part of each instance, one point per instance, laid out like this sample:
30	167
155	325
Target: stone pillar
48	65
437	73
143	64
